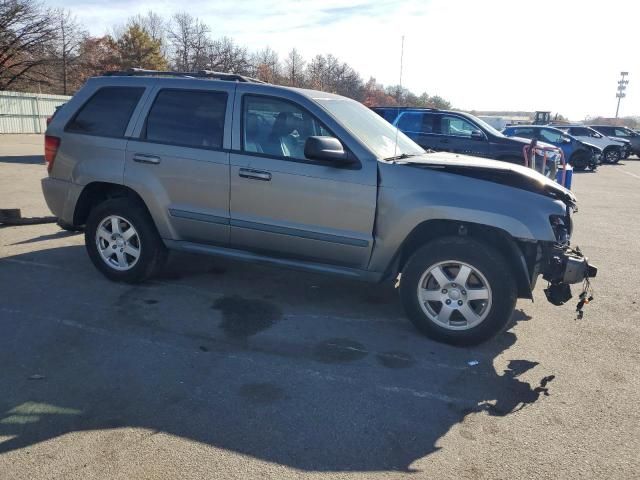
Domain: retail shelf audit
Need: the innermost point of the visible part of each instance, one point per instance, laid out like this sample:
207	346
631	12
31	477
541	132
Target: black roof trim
141	72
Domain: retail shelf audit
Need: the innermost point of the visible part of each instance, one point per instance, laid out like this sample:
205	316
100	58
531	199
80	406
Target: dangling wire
584	298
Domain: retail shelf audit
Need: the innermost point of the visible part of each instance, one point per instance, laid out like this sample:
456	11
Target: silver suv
225	165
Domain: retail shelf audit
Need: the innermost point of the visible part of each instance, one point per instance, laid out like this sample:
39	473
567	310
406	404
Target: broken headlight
562	226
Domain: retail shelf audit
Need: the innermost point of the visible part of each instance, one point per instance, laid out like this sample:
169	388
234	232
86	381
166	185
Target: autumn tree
155	26
97	55
136	48
373	95
266	65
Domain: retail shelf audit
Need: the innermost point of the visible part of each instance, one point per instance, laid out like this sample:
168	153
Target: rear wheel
122	241
458	290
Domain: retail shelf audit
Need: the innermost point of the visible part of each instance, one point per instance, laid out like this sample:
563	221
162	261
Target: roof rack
141	72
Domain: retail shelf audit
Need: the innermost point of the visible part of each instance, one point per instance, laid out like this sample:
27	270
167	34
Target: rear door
95	136
523	132
419	127
286	205
178	159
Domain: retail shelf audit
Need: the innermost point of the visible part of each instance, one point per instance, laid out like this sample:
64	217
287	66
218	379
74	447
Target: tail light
51	145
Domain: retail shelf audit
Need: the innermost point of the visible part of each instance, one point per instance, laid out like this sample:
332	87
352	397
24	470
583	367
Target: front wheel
612	155
458	291
122	241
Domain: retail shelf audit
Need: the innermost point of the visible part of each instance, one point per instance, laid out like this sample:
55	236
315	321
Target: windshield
371	129
486	126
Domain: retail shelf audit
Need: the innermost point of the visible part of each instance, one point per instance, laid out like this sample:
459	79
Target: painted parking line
630	174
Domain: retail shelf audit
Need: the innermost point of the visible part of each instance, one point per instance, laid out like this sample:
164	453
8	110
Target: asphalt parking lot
220	369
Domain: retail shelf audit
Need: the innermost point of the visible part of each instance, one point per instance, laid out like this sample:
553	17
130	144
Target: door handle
142	158
255	174
444	140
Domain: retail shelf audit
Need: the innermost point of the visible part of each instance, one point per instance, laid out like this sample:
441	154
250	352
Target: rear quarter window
107	112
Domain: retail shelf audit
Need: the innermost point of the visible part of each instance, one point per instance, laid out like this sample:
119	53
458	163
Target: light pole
622	86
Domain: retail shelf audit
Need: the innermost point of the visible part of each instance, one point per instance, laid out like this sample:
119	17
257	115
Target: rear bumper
564	266
55	194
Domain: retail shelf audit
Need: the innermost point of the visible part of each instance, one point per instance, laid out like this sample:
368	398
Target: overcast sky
559	55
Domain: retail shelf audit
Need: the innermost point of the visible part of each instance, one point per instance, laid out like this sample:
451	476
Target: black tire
153	253
68	227
611	155
486	260
578	161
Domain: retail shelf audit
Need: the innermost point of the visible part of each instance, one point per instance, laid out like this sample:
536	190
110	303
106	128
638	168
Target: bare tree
226	56
190	42
316	72
294	68
69	37
25	33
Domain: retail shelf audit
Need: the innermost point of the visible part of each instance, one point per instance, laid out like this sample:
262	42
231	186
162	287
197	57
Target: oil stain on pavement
242	318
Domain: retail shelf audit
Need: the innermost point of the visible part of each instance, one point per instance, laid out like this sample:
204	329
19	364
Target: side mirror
566	140
477	135
325	148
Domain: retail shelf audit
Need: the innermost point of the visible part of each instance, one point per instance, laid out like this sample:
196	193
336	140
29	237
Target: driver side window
456	126
550	136
278	128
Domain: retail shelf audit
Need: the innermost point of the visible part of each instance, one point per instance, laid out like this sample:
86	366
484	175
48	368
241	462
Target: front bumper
564	266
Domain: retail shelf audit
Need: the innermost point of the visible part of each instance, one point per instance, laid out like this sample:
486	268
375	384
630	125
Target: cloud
564	56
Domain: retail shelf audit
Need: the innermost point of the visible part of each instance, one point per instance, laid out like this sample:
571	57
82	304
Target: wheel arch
95	193
520	255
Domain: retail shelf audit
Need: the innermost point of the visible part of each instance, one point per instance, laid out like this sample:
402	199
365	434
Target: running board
253	257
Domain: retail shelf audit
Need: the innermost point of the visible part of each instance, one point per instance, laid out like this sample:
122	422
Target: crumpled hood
505	173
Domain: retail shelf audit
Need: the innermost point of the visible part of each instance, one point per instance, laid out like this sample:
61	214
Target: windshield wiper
402	156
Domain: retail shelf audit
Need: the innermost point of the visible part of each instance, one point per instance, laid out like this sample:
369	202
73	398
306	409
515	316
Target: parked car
620	133
223	165
581	155
612	150
452	131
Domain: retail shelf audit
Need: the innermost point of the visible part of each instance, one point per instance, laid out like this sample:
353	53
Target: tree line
50	51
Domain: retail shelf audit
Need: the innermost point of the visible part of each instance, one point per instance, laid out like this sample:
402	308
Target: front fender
521	214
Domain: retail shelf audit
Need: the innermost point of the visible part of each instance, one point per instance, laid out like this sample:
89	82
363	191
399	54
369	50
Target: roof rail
141	72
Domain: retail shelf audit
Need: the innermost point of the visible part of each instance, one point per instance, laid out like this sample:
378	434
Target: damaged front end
563	265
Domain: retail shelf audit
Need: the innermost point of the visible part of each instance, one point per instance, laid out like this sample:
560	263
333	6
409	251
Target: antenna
395	148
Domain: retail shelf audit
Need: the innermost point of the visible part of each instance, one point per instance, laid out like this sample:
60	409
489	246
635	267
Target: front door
457	134
284	204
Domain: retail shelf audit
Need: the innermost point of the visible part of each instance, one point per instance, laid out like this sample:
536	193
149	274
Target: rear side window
524	132
410	122
190	118
605	130
107	112
620	132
